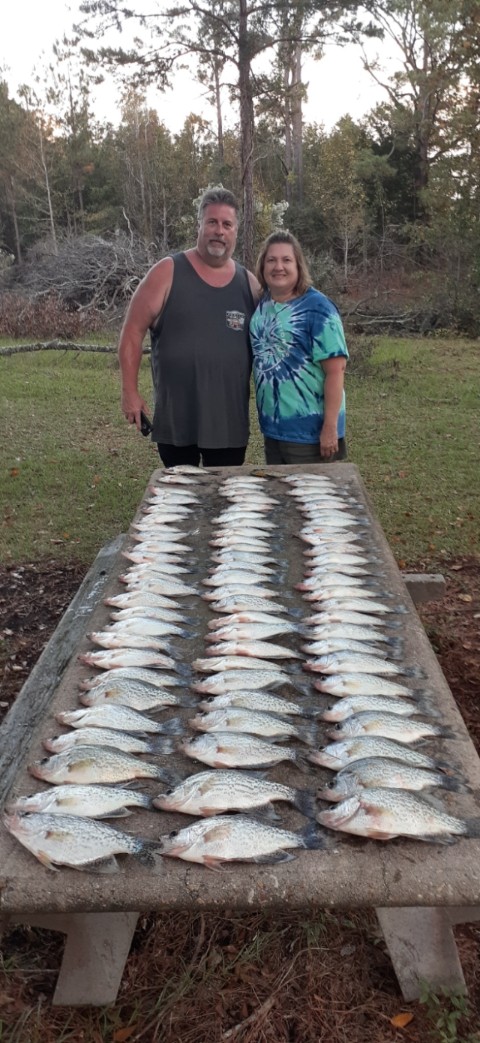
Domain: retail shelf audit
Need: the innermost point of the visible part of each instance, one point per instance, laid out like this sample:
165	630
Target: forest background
386	207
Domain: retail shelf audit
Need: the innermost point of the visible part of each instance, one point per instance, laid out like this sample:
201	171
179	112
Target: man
197	306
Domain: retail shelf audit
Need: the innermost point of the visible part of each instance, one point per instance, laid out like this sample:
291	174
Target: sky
337	84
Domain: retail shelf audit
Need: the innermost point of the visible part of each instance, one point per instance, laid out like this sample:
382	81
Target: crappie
142	598
239	680
254	722
359	663
125	657
390	725
125	638
339	754
386	813
156	585
221	664
136	695
86	764
122	718
353	704
232	750
345	616
223	577
235	602
67	840
259	700
145	625
239	591
168	616
362	605
328	645
350	632
104	737
385	774
363	684
235	564
251	631
130	673
234	838
85	801
148	556
251	648
213	792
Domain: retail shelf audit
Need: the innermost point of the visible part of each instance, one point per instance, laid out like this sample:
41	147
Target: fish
234	838
237	540
157	585
255	722
121	718
250	648
248	616
226	568
328	645
149	556
170	617
136	695
241	577
251	631
84	801
119	675
364	684
340	614
259	700
380	772
146	625
240	592
222	664
343	573
367	605
359	663
239	680
339	754
118	740
124	657
80	843
353	704
229	602
217	791
229	556
238	750
326	592
390	725
124	638
350	632
86	764
383	814
142	599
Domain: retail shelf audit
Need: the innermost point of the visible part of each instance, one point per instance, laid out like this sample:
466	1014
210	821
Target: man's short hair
217	195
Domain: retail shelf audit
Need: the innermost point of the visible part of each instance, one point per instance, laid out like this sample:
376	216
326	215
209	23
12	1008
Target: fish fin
165	746
308	733
100	865
414	671
456	785
212	863
439	839
217	832
277	856
266	812
45	860
119	813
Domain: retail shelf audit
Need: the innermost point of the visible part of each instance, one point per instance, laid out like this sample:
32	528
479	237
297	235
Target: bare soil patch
245	979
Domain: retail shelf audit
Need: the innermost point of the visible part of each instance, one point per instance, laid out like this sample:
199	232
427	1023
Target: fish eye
168	792
174	833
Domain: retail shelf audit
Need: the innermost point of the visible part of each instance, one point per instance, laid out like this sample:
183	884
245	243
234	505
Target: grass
72	472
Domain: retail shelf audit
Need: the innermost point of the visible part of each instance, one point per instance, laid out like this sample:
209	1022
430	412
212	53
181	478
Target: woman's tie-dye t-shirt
289	342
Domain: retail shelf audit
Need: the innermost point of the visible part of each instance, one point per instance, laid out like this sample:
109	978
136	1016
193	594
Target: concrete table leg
422	947
96	949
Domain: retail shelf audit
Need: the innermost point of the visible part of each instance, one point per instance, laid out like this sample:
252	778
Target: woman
299	358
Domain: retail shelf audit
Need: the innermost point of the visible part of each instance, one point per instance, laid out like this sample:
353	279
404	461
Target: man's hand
132	405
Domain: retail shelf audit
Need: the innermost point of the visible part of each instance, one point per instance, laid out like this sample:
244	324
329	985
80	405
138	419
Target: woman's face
280	271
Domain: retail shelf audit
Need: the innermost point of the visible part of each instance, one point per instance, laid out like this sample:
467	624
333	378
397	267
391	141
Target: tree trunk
218	107
246	132
297	122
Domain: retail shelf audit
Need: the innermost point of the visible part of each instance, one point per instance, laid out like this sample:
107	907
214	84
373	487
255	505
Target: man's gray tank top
201	361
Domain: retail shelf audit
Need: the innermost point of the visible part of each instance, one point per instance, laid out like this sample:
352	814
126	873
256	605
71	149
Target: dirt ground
250	978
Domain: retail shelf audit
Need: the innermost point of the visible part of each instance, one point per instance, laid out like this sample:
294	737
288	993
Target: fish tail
457	785
305	802
162	745
312	837
148	853
425	707
414	671
173	727
308	733
472	827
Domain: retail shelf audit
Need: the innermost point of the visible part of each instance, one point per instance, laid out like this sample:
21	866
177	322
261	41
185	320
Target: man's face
217	234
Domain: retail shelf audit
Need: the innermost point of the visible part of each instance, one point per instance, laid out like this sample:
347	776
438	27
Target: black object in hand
146	426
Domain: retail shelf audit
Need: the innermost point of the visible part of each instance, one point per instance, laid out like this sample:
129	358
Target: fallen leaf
14	472
122	1034
401	1020
456	568
465	597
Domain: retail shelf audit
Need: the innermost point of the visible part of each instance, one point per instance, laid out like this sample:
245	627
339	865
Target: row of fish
350	647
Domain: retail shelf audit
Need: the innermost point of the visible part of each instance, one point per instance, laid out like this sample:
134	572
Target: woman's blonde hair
304	278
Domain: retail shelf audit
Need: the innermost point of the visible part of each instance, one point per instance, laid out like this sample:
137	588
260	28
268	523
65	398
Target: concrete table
418	890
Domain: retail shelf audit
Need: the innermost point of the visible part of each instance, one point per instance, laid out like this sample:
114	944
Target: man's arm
334	370
145	306
254	286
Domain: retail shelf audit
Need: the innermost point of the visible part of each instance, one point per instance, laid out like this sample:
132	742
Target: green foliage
445	1010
